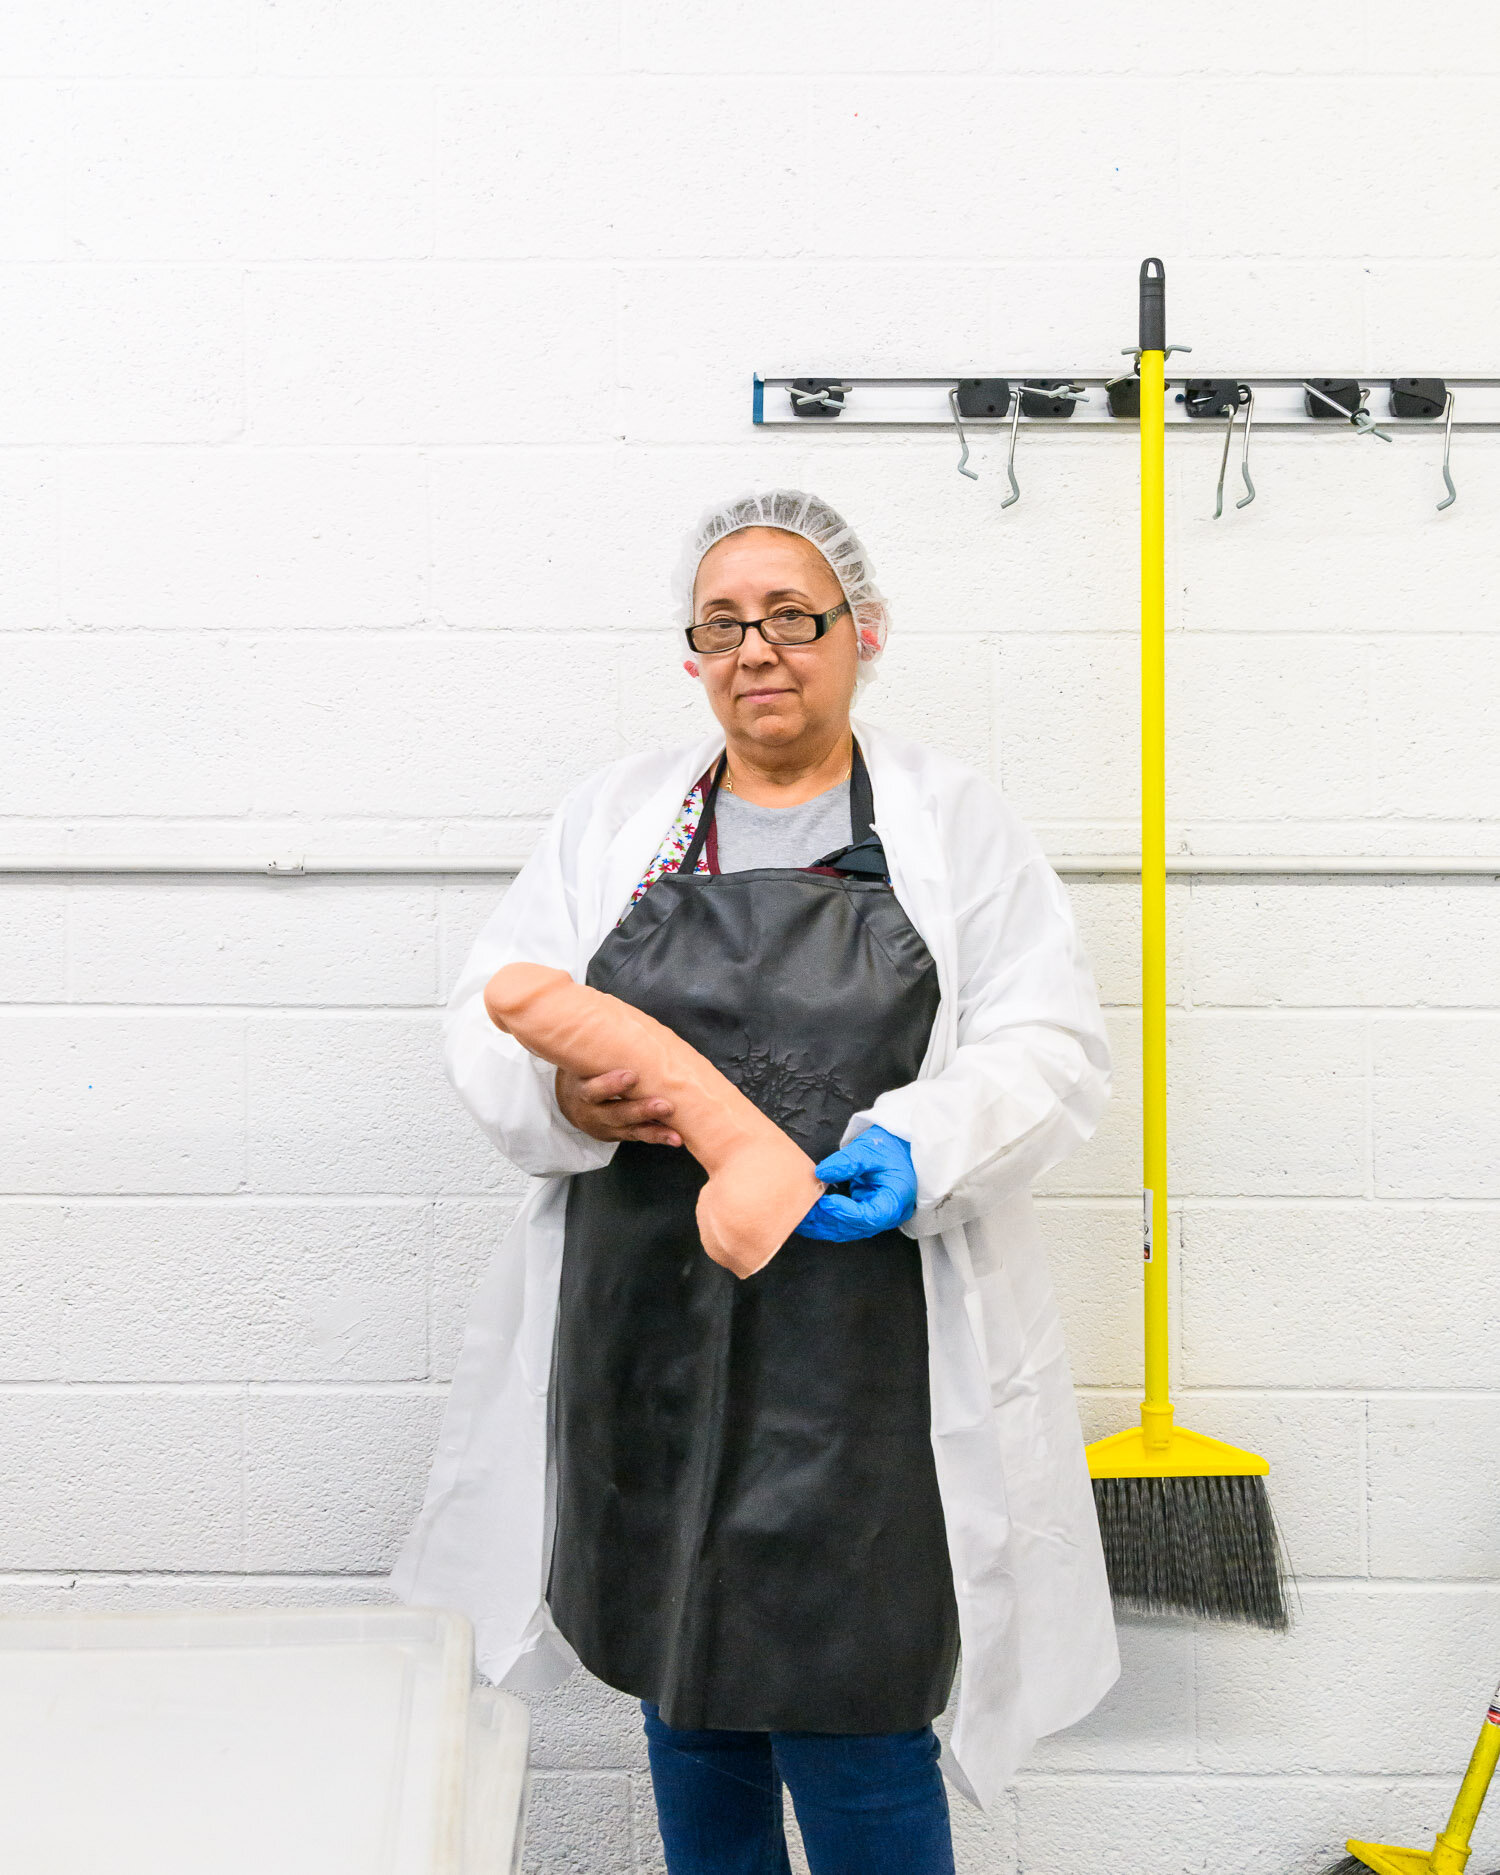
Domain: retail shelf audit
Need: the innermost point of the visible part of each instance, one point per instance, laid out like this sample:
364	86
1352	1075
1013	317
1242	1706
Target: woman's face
774	695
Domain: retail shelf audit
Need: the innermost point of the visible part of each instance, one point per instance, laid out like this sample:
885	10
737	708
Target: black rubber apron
749	1531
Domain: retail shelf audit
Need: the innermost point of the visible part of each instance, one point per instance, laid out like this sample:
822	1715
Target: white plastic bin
329	1741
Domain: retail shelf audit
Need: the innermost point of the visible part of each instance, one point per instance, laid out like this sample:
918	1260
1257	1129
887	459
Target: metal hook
818	397
1245	401
1249	495
1367	426
1224	461
1073	393
1010	460
963	440
1360	418
1447	442
1066	389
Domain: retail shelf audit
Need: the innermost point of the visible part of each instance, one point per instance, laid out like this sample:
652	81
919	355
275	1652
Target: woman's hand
601	1107
882	1183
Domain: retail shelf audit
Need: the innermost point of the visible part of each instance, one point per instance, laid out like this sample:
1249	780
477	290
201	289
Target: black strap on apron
861	820
689	861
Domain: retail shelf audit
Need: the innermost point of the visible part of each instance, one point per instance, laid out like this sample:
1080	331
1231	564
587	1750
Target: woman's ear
690	667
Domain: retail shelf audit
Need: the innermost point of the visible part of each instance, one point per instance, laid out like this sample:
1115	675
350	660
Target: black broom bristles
1194	1546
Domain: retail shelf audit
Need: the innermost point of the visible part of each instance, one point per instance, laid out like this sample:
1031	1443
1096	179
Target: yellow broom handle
1471	1793
1156	1413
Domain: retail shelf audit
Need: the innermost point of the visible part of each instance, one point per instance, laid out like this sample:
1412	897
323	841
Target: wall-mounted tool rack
1281	403
1035	401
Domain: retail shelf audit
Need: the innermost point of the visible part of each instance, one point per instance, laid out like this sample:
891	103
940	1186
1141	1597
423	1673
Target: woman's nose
755	650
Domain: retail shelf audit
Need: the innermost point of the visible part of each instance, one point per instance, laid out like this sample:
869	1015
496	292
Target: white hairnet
796	513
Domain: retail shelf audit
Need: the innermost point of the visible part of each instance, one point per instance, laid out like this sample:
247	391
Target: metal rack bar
1074	865
921	403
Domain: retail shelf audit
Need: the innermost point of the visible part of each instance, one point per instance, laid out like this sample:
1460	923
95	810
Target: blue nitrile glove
882	1183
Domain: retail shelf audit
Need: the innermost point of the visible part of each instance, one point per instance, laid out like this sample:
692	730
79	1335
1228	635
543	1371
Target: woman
773	1509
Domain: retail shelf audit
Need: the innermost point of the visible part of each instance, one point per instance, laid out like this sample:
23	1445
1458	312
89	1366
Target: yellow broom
1450	1851
1186	1519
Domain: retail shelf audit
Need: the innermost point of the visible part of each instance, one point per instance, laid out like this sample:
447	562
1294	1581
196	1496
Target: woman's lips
759	696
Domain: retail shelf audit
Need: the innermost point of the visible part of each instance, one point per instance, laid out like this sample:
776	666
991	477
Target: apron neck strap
689	860
861	806
861	798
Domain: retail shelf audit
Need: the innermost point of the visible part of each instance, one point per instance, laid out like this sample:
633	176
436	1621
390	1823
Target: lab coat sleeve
511	1093
1031	1073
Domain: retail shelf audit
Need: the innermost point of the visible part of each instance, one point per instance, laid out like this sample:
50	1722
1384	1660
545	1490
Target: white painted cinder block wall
361	365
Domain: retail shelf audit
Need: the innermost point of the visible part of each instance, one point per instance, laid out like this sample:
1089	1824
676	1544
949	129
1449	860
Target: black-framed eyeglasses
786	626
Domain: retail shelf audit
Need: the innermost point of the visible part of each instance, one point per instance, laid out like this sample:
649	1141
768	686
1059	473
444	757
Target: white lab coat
1015	1077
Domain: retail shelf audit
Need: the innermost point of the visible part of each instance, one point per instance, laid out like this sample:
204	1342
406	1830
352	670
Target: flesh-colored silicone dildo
760	1182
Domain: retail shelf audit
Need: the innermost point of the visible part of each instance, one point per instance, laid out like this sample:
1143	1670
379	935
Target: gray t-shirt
751	836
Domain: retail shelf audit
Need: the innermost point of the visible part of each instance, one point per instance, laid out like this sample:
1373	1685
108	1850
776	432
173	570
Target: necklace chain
727	784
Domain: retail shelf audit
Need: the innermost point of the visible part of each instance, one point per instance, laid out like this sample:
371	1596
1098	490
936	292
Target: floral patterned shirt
673	849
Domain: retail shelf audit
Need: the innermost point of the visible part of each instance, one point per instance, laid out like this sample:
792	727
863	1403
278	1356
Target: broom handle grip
1153	845
1153	325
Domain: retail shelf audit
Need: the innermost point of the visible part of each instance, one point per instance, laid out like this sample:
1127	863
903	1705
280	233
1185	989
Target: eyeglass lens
782	628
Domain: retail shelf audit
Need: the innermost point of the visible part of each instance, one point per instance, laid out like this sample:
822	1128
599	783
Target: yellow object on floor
1450	1851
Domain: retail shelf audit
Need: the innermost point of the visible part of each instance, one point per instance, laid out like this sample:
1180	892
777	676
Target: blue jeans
867	1804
